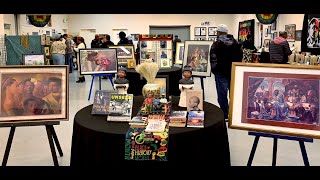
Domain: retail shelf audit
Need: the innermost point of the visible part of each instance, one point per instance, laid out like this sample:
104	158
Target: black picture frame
197	31
163	76
298	35
212	31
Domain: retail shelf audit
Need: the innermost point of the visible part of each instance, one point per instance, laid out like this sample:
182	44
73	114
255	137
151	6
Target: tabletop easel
275	146
99	75
52	137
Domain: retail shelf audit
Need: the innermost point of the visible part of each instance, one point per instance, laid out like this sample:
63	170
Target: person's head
283	34
122	72
222	29
187	72
295	86
65	36
54	85
163	52
176	36
10	84
249	37
194	101
276	92
28	86
122	35
96	37
30	105
80	40
107	37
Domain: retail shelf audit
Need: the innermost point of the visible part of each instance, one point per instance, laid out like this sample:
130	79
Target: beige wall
9	19
1	25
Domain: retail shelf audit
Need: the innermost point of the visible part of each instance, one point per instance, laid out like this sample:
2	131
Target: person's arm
287	48
213	56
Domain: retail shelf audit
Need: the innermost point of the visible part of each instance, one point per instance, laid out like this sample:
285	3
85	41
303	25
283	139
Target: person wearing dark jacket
279	49
123	39
106	42
96	42
249	44
223	52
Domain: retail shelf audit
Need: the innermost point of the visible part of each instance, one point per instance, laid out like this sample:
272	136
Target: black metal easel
275	146
52	137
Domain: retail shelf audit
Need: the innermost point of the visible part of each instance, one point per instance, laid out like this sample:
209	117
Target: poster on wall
291	31
310	34
245	28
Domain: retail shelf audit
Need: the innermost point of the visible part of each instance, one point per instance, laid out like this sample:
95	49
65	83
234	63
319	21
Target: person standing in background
123	39
58	51
106	42
174	45
81	45
279	49
223	52
69	52
96	42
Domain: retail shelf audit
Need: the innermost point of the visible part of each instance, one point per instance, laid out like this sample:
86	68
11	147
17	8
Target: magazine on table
120	108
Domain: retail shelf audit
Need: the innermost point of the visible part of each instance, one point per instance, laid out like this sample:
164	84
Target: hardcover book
196	119
156	126
194	100
120	108
101	102
178	118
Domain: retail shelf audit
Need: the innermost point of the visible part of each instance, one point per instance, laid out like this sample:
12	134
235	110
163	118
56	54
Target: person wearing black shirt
249	44
106	42
96	42
123	39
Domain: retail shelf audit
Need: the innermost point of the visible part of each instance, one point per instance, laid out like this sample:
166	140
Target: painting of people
33	93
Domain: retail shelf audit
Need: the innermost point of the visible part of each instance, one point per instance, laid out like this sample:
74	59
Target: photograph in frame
194	100
179	53
298	35
98	61
212	31
47	51
34	93
203	31
291	32
165	63
197	31
197	55
275	98
163	82
124	52
33	59
131	63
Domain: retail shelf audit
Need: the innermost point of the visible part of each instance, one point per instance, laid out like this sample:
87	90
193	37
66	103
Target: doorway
183	32
88	36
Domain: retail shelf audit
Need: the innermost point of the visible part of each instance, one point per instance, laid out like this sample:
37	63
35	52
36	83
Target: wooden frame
25	98
200	63
124	53
179	53
101	61
33	59
291	30
291	109
46	50
212	31
163	82
131	63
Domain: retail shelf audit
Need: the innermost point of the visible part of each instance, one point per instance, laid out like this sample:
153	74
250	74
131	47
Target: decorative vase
152	89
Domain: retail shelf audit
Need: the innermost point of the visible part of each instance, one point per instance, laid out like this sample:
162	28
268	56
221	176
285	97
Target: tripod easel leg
91	87
274	153
8	147
253	150
53	151
304	153
55	138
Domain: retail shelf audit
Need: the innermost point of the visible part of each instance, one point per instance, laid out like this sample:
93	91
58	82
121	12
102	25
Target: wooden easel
52	137
99	75
275	146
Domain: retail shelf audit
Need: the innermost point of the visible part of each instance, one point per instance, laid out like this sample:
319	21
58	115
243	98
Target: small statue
121	83
156	106
185	84
163	99
148	102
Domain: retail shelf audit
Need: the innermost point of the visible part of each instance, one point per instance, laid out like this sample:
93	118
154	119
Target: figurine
163	99
156	106
121	83
148	102
185	84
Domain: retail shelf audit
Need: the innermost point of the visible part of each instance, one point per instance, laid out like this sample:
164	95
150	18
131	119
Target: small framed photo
131	63
47	51
269	29
274	25
165	63
33	59
266	43
203	31
298	35
179	53
163	82
197	31
212	31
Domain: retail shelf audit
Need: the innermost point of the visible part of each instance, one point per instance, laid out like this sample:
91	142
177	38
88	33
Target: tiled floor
31	148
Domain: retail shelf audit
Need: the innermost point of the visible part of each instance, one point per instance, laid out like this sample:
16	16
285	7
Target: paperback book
120	108
101	102
196	119
178	119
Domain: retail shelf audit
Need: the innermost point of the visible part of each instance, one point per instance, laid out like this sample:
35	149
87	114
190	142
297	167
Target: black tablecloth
97	142
136	84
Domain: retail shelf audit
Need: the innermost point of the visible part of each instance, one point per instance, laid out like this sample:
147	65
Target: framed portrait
135	37
34	93
163	82
197	31
245	28
275	34
274	25
179	52
212	31
291	31
165	63
47	50
275	98
131	63
266	43
203	31
298	35
33	59
194	100
98	61
196	55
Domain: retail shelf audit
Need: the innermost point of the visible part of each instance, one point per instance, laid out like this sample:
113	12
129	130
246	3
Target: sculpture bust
121	83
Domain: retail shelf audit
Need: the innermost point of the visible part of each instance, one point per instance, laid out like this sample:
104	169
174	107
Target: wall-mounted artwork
245	28
33	59
291	32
